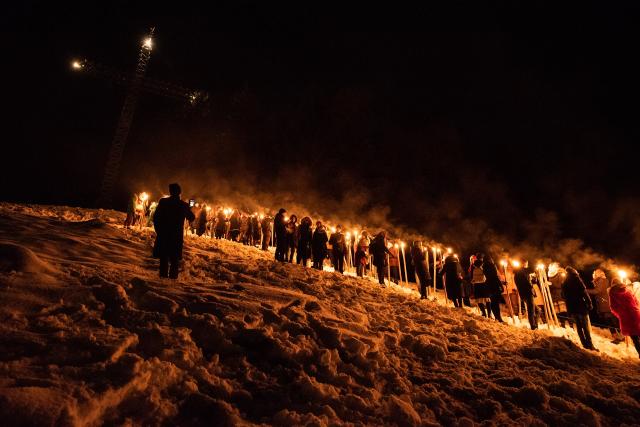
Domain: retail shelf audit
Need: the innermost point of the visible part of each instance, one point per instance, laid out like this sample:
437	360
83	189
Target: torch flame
144	197
147	43
515	263
622	274
541	266
504	262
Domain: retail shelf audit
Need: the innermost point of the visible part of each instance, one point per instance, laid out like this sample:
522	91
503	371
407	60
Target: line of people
483	284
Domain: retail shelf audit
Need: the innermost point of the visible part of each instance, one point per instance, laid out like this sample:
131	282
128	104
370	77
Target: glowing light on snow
147	43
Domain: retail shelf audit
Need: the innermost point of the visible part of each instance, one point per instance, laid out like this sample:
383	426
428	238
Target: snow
90	335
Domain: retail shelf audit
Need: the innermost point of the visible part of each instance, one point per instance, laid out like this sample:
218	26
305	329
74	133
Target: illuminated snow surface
90	335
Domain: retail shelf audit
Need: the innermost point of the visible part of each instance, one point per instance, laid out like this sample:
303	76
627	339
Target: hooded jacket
575	294
625	306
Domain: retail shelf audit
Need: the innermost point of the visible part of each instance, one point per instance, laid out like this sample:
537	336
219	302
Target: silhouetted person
305	237
280	231
319	245
168	222
452	275
339	249
494	287
578	305
525	290
378	249
419	260
265	225
234	226
292	238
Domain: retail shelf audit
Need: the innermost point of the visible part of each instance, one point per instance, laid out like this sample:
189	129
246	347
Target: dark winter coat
305	237
292	231
625	306
419	261
280	227
168	221
338	243
201	226
523	283
452	278
575	295
255	228
378	249
319	244
493	284
235	222
221	224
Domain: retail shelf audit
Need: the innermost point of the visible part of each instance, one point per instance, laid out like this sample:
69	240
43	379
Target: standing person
479	284
319	245
625	306
201	221
419	261
394	263
305	237
292	241
600	298
362	256
234	226
221	224
379	250
338	248
168	222
245	223
578	305
193	225
280	231
522	277
494	287
256	229
265	225
452	275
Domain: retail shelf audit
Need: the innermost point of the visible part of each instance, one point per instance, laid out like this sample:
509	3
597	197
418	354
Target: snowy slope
90	335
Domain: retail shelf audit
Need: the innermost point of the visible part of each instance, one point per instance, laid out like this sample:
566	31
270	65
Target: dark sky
522	118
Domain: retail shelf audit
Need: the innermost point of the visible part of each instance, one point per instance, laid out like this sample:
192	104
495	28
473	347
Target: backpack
477	275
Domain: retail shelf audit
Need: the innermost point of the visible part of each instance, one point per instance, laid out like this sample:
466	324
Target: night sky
517	119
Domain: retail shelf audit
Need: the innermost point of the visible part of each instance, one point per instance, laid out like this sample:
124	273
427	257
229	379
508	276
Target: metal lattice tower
119	141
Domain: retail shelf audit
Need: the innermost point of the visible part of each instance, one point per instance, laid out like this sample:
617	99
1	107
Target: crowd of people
545	295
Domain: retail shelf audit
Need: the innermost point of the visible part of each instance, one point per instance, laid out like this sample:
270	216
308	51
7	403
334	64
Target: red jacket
626	308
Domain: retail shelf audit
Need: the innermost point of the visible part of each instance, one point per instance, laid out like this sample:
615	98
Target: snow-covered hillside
90	335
